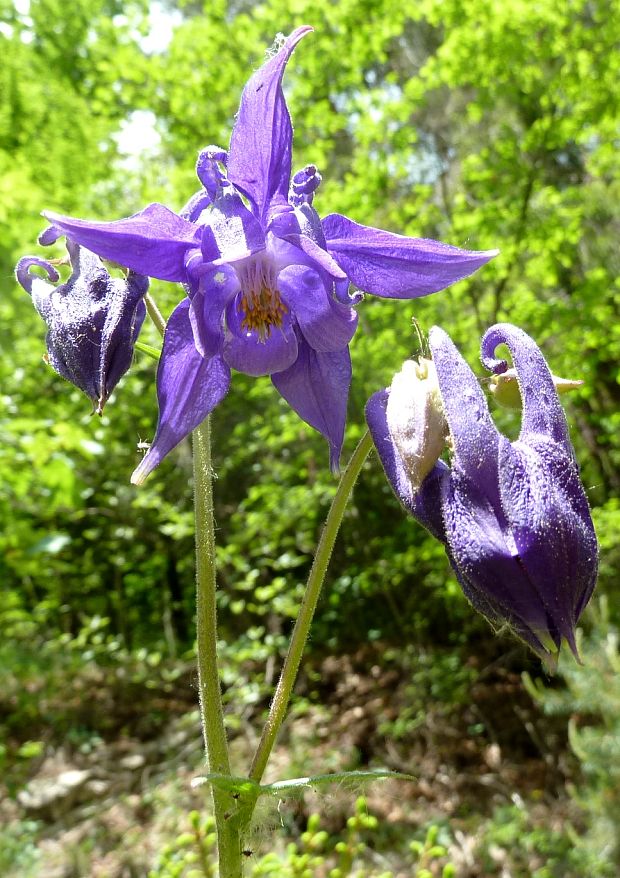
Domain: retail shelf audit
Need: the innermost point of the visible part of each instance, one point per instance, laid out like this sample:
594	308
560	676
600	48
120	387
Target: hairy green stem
154	313
211	710
299	637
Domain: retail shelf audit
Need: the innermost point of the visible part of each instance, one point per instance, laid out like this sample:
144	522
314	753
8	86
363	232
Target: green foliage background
487	123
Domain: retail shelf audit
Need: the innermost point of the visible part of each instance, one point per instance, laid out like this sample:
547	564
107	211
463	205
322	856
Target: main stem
211	710
154	313
299	637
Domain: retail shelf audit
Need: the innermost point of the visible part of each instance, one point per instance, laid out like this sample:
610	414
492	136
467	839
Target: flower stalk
154	313
301	630
211	710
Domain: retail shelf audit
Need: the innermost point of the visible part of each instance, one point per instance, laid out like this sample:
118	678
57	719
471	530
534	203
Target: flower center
260	304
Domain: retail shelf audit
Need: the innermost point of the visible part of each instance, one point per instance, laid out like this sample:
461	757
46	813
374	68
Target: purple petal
473	432
317	387
26	279
152	242
300	227
425	504
303	185
542	411
326	324
246	352
395	266
192	209
230	231
343	293
209	170
300	220
120	331
188	388
259	158
486	559
547	512
206	313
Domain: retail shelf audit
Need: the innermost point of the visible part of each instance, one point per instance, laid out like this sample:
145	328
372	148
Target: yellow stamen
260	303
262	309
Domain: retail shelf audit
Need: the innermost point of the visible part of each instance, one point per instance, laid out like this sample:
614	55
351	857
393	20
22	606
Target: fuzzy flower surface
267	281
513	516
93	319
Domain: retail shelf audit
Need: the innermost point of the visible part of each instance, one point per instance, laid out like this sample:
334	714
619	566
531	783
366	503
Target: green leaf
293	786
246	789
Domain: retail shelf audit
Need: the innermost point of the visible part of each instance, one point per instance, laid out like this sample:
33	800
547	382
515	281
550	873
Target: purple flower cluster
267	281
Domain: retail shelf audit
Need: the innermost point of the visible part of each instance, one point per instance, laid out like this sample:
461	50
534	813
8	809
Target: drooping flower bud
513	516
416	419
93	319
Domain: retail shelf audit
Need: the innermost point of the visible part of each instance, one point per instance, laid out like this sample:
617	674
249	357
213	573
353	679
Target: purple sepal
394	266
152	242
93	320
316	386
515	519
259	158
189	386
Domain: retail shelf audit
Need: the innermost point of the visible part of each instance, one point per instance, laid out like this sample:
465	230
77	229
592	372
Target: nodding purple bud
513	516
303	186
93	319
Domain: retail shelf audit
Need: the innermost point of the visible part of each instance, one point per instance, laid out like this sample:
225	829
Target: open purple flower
93	320
267	281
513	516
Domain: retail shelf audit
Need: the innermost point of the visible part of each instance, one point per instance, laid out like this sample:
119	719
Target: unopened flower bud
513	516
93	319
415	418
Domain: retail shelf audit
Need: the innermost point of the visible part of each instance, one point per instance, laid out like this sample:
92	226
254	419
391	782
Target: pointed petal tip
437	334
301	31
334	461
550	662
139	475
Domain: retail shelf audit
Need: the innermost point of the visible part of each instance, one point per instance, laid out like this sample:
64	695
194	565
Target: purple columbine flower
93	320
513	516
267	281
